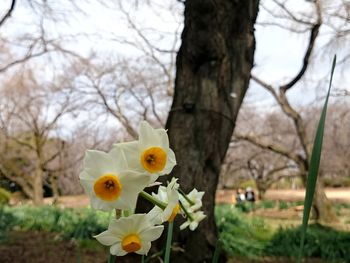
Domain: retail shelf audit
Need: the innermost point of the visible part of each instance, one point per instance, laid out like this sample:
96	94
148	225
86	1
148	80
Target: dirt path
341	195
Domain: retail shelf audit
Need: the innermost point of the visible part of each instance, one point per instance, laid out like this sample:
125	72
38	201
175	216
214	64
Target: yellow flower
108	181
151	153
130	234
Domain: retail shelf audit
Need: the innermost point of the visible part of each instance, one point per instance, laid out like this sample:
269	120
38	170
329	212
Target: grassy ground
256	238
262	234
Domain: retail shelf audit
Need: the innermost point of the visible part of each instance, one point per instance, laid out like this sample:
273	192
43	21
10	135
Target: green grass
242	236
249	237
320	242
70	223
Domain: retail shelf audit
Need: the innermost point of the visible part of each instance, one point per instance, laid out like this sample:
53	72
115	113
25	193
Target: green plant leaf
168	242
217	251
314	165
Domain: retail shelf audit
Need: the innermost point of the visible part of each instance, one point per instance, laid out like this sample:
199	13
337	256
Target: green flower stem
125	213
111	258
153	200
186	212
217	251
168	242
186	197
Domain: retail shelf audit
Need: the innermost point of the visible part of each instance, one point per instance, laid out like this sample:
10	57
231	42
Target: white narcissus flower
151	153
195	197
130	234
193	224
170	196
109	183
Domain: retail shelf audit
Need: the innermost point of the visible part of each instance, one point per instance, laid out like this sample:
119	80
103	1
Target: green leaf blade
314	165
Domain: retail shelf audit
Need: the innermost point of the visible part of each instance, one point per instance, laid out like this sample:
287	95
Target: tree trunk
213	72
261	192
322	205
38	192
54	187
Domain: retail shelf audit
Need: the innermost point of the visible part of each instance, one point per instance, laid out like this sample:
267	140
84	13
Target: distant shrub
321	242
265	204
241	237
283	205
245	206
70	223
4	196
336	182
7	221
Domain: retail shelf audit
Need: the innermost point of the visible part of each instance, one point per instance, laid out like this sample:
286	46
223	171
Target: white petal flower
130	234
109	183
196	200
151	153
193	224
170	196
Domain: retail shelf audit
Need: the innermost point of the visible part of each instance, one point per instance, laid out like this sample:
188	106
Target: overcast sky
278	54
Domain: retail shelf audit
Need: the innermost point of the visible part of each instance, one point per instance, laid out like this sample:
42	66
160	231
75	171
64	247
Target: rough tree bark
213	73
322	206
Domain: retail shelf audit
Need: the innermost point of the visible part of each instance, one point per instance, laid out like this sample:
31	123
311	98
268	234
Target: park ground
281	209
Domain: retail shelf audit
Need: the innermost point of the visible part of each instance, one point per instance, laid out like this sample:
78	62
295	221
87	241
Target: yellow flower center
174	213
131	243
108	187
153	159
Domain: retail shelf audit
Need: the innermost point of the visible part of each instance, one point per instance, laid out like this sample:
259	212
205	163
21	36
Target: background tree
30	114
300	156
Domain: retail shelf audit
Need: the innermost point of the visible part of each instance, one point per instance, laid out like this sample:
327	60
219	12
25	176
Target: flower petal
132	154
133	183
155	215
86	176
151	234
148	137
127	225
163	138
118	157
87	185
99	204
171	162
184	225
117	250
145	247
193	225
107	238
97	163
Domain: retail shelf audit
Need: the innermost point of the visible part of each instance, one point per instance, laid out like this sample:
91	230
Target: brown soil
41	247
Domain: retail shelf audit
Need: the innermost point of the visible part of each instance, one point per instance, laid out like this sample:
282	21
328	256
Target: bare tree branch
270	146
8	13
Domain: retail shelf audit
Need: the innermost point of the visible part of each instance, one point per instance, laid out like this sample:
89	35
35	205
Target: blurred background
78	75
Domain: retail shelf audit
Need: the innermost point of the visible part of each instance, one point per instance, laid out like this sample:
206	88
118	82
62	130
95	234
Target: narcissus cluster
116	179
